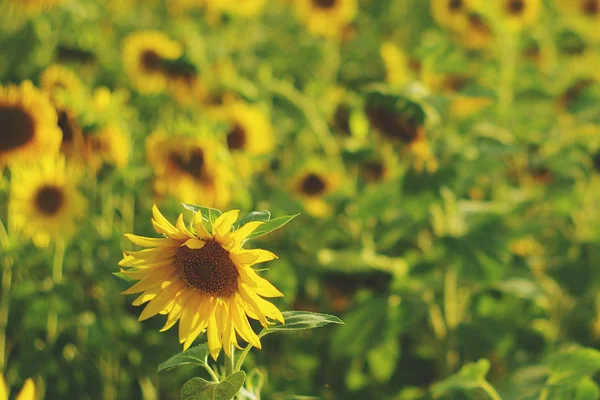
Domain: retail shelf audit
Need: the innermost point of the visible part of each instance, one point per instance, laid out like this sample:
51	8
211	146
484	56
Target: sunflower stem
240	361
57	275
5	307
229	362
211	373
489	389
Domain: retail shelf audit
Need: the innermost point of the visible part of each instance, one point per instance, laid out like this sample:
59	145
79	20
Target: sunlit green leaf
200	389
271	225
573	362
468	377
193	356
263	216
300	320
208	214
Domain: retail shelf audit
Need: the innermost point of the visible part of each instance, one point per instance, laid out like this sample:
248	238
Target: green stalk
489	389
229	362
57	277
240	361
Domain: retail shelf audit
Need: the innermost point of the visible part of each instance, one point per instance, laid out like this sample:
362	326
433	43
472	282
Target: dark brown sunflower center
391	124
208	269
182	72
591	7
478	24
151	61
17	127
455	5
193	164
342	120
313	185
236	138
67	126
49	199
515	6
324	3
373	171
596	161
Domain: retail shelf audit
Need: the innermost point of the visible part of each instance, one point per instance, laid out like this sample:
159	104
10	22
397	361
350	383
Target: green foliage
200	389
196	355
301	320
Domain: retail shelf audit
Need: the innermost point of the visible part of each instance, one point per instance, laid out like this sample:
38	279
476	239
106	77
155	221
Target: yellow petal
260	285
159	218
153	255
201	231
3	389
243	257
27	392
263	255
260	305
182	228
151	242
241	234
163	299
189	315
146	296
214	340
242	326
156	278
175	312
223	224
194	243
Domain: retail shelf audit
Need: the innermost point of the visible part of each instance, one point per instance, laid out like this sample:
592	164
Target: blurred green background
444	156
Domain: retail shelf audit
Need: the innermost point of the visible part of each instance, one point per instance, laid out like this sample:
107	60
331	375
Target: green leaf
572	362
123	276
300	320
587	389
196	355
271	225
253	216
208	214
200	389
470	376
383	359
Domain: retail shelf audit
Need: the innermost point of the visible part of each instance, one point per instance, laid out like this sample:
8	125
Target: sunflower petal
223	224
263	255
175	312
243	257
241	234
156	278
162	221
201	231
181	226
27	392
260	285
242	326
151	242
188	315
162	301
194	244
214	340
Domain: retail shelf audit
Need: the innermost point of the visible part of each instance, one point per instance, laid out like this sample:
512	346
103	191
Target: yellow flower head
44	201
452	14
26	393
27	123
246	8
190	169
312	184
398	67
72	136
518	14
326	17
57	78
110	145
202	279
144	55
583	16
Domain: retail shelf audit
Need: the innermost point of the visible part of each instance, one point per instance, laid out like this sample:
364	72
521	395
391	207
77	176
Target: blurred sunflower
380	168
144	57
399	69
184	84
582	15
57	78
312	184
246	8
477	34
110	145
189	168
44	201
33	6
72	138
250	135
452	14
518	14
326	17
203	280
26	393
27	123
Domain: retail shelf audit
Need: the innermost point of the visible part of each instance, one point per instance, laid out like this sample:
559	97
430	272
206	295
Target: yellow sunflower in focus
44	201
27	123
144	56
108	146
518	14
190	169
57	78
250	135
202	279
312	184
326	17
26	393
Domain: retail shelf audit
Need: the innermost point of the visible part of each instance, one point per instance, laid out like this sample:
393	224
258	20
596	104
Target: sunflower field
300	199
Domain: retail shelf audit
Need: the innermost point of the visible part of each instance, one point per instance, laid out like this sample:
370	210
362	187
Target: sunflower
518	14
246	8
72	137
326	17
189	168
478	34
249	136
312	184
109	145
26	393
184	84
57	78
144	55
382	167
27	123
203	280
399	69
44	200
453	14
582	15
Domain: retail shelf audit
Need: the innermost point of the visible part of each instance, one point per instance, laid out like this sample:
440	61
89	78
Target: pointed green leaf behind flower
201	389
208	214
124	277
196	355
271	225
300	320
263	216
